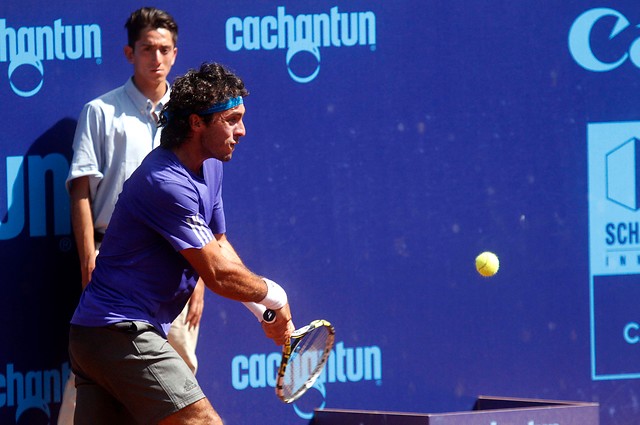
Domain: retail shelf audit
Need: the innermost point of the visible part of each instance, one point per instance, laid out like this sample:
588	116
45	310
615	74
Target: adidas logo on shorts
189	385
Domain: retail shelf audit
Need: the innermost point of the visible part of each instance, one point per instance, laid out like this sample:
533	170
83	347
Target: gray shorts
128	374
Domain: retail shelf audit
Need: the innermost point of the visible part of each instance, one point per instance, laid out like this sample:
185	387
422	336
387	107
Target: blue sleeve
173	210
214	172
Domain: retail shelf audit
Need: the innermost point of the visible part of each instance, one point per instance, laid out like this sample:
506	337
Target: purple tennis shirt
140	274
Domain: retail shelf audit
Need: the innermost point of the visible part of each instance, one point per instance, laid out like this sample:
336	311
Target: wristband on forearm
275	299
257	310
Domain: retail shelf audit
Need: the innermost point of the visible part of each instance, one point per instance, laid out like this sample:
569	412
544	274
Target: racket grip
262	313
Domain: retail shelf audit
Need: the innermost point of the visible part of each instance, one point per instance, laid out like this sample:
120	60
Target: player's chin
157	76
231	150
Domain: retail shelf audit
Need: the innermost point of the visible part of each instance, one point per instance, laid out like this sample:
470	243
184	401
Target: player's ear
195	122
128	53
175	55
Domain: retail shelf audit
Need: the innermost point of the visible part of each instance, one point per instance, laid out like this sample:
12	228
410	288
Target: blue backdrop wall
388	144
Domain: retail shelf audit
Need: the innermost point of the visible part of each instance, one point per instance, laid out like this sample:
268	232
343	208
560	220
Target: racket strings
306	360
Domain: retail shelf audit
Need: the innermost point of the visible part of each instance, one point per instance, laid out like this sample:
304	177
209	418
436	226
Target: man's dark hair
149	17
194	92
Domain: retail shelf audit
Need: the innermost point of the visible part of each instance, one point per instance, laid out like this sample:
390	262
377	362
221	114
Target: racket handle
262	313
269	316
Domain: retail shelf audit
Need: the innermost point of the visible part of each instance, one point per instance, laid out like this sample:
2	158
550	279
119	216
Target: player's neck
190	159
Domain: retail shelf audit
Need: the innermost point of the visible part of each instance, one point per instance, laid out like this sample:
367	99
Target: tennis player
167	229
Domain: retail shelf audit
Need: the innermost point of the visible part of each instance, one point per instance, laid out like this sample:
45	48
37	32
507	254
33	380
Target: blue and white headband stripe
216	107
222	106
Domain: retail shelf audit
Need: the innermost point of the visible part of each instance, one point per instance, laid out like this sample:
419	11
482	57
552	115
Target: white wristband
257	309
276	297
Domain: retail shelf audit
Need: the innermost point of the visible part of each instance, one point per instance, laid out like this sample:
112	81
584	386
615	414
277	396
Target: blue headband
216	107
222	106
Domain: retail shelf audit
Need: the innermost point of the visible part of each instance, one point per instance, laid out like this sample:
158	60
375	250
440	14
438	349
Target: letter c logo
630	328
579	36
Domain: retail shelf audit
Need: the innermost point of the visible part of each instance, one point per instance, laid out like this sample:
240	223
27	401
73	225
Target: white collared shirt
114	133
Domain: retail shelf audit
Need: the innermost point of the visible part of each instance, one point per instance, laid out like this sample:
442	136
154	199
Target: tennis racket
304	355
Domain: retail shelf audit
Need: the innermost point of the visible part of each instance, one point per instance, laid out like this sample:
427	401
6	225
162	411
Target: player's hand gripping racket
304	356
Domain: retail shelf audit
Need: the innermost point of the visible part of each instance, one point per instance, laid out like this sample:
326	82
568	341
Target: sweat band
275	299
222	106
257	310
216	107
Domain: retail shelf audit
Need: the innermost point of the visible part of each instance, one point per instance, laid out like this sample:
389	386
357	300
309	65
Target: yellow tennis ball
487	264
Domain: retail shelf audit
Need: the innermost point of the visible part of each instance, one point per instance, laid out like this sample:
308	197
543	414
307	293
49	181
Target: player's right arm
82	222
232	279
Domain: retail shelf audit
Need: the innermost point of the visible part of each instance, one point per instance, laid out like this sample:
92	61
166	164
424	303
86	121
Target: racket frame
296	337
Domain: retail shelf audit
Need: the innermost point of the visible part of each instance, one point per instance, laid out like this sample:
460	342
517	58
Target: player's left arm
196	306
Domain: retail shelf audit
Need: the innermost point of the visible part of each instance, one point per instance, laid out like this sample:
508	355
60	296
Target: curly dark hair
196	91
146	17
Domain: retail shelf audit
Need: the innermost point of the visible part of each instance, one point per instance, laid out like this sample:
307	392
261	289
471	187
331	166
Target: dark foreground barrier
486	411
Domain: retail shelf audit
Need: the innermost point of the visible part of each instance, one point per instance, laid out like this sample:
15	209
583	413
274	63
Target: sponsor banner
302	36
388	144
614	248
32	393
345	365
26	49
